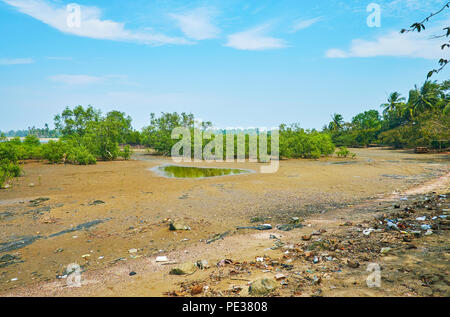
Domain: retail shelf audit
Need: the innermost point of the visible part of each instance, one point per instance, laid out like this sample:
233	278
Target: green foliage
158	134
344	152
126	153
9	165
97	134
296	142
422	120
75	122
80	155
55	151
31	140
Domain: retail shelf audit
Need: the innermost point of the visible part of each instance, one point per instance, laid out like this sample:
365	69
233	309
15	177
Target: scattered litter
260	227
161	259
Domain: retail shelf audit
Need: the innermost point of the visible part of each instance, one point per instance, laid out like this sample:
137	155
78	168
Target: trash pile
334	258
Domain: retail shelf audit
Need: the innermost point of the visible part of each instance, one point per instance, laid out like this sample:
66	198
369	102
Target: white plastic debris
161	259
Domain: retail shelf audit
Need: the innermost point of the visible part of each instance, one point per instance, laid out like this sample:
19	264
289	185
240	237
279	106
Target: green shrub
126	153
80	155
344	152
299	143
8	169
55	152
31	140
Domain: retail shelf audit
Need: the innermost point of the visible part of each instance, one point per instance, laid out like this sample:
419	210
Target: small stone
353	264
196	289
262	286
186	268
132	273
306	237
132	251
178	226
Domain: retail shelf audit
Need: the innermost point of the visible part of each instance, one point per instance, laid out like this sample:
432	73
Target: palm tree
395	103
337	122
424	99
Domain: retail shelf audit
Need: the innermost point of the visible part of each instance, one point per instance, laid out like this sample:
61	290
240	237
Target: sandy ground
136	206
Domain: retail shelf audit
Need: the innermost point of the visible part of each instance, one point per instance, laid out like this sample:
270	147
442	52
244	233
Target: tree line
86	135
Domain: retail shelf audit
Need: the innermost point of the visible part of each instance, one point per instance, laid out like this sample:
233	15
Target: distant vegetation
85	135
421	120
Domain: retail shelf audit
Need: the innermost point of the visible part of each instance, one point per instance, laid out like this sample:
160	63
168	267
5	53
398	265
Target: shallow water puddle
176	171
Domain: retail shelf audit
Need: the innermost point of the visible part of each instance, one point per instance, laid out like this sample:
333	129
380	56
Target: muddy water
41	239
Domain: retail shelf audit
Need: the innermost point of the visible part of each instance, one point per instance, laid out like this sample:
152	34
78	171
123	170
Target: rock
202	264
178	226
280	276
186	268
306	237
262	286
353	264
429	232
196	289
96	202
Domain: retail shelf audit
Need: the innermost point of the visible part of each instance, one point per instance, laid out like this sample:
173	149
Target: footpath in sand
325	253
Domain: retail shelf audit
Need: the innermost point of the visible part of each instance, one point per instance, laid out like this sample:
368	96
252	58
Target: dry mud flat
113	220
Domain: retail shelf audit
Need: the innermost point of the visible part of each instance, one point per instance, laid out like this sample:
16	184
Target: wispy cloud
303	24
76	79
91	26
419	45
59	58
197	24
81	79
16	61
255	39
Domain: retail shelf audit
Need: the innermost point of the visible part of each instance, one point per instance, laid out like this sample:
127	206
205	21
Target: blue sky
236	63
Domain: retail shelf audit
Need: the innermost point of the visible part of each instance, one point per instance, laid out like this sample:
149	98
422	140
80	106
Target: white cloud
254	39
16	61
91	26
303	24
76	79
196	24
419	45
